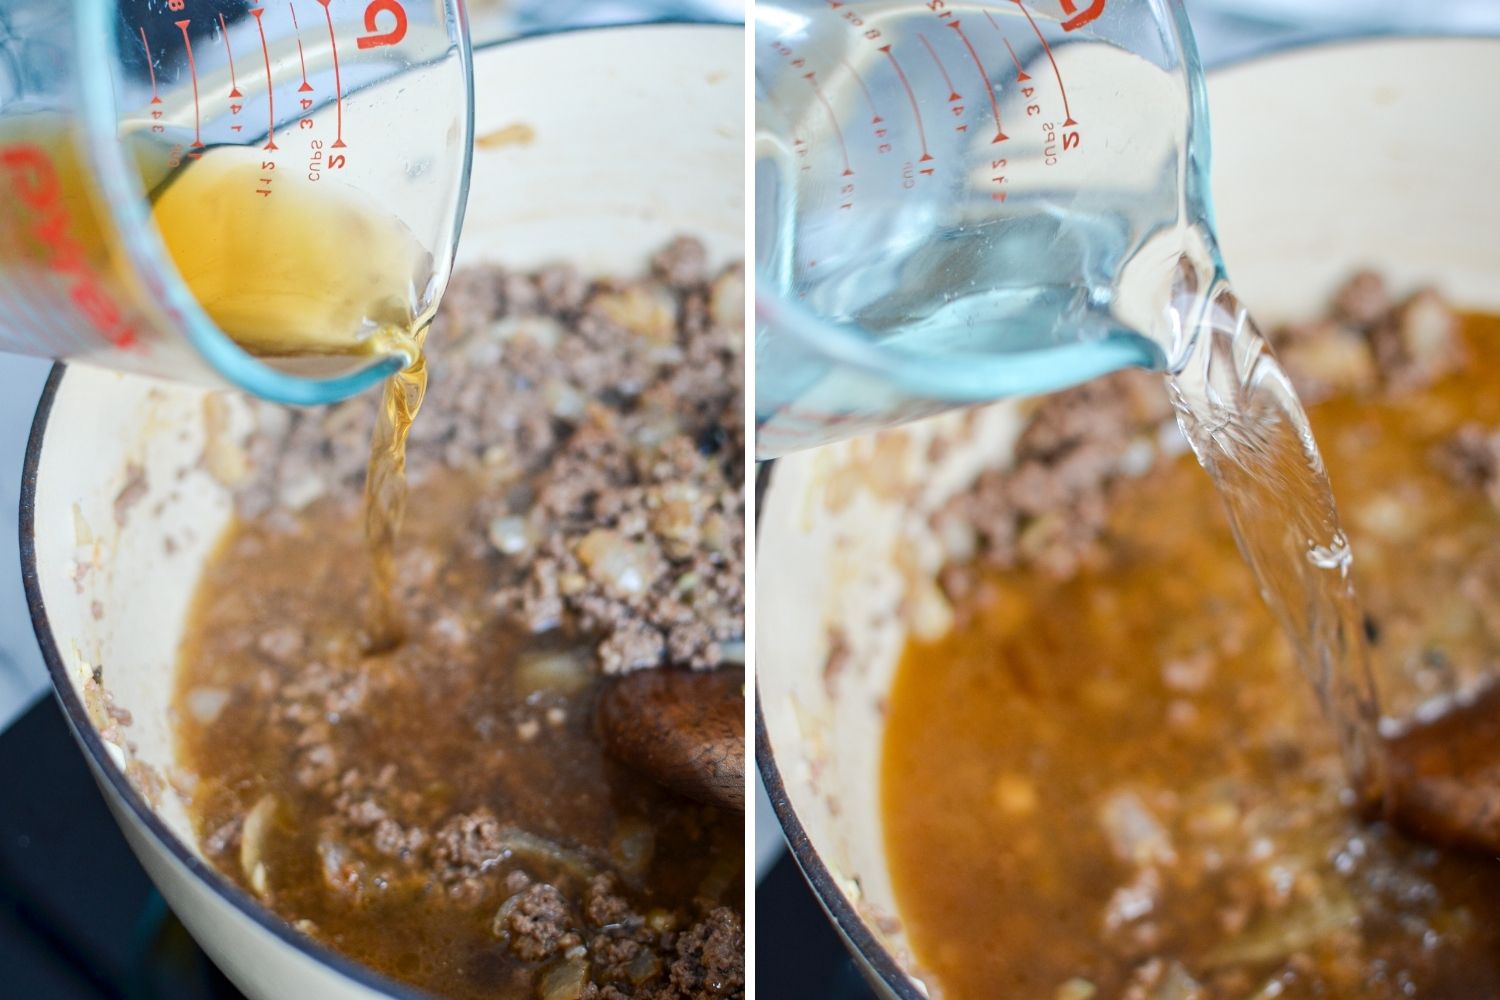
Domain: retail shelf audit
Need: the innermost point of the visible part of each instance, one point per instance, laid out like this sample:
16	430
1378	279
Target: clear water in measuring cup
958	202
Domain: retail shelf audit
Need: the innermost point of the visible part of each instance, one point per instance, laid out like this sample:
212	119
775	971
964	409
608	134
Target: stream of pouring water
1436	777
1249	431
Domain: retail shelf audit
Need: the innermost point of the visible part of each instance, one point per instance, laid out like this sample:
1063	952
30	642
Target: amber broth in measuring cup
303	165
184	181
314	277
332	280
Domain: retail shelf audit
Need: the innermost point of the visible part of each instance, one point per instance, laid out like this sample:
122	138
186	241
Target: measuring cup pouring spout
957	202
267	198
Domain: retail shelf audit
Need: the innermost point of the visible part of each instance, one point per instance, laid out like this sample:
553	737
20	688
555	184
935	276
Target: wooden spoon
1444	776
683	729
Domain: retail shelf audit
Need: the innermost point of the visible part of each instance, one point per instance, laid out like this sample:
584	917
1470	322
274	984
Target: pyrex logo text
34	184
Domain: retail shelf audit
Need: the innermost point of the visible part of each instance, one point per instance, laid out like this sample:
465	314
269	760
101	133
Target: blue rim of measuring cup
95	22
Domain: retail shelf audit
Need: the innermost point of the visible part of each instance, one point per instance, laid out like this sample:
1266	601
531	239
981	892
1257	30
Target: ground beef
1049	508
608	415
1363	302
613	956
1368	338
396	841
704	962
710	958
681	264
466	847
604	907
1471	459
536	921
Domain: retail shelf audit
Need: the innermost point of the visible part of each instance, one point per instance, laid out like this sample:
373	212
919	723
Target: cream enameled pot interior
635	135
1325	160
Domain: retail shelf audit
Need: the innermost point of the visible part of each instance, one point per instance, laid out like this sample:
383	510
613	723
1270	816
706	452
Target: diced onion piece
537	850
205	703
1076	989
633	845
253	835
510	535
621	565
341	872
644	309
1135	835
82	533
563	672
500	926
1279	935
643	966
726	299
564	981
1178	984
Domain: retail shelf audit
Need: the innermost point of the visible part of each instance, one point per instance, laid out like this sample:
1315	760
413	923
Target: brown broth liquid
447	722
1154	700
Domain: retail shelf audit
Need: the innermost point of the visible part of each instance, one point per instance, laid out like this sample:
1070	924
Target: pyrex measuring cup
961	201
339	132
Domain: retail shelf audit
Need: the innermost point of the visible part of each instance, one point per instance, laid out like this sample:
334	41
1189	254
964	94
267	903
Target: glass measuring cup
957	202
174	174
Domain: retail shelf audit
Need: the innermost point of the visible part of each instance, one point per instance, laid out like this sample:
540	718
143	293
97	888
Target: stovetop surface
79	919
798	954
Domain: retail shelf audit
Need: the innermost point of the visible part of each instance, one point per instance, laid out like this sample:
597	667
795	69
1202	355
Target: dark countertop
79	919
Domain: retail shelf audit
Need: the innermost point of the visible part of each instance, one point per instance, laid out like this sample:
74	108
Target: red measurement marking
910	96
1091	14
338	84
875	118
1000	135
192	71
265	52
953	94
812	78
306	87
1021	75
150	67
234	86
1048	49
